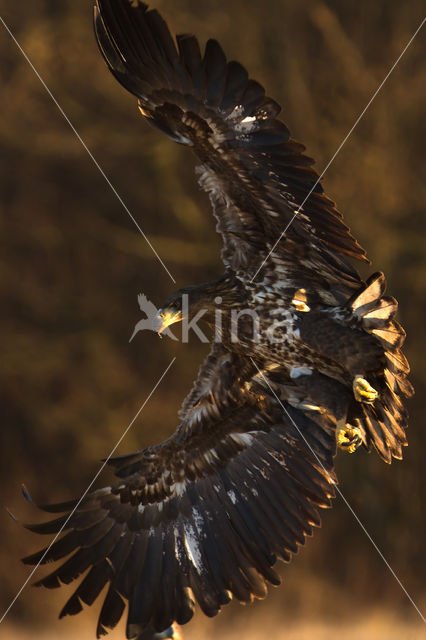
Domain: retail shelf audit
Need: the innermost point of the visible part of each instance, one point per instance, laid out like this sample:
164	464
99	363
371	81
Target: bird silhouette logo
150	310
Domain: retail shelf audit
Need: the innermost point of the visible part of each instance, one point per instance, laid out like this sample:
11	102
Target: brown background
72	264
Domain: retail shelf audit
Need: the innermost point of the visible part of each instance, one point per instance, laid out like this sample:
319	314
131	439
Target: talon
299	301
363	391
300	306
348	438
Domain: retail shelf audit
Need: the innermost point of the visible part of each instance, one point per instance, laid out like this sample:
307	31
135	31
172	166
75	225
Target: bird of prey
205	515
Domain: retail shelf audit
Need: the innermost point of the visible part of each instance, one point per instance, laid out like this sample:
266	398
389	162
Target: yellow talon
300	306
348	438
363	391
299	301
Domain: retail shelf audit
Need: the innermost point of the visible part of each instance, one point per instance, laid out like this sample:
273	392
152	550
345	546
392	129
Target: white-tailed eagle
205	515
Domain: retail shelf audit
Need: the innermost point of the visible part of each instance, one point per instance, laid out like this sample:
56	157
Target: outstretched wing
201	517
256	175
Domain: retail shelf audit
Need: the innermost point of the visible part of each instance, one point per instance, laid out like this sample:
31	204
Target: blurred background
72	264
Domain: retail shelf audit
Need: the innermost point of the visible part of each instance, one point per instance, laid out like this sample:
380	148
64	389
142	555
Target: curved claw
348	438
363	391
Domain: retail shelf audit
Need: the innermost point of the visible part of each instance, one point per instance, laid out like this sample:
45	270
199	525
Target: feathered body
204	516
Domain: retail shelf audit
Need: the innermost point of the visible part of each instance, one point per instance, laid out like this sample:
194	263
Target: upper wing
201	517
257	176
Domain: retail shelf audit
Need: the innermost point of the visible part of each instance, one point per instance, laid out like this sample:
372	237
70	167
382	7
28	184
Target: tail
383	423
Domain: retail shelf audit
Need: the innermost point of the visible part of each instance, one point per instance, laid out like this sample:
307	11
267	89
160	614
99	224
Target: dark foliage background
72	264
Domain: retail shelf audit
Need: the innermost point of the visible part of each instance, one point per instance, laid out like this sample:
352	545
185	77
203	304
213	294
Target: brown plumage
204	516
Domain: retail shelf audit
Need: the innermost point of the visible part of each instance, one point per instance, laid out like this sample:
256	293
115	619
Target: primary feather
202	517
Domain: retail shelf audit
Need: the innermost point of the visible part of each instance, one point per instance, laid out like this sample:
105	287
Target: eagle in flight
204	516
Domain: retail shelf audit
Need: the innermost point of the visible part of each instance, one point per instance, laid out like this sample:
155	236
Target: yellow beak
164	319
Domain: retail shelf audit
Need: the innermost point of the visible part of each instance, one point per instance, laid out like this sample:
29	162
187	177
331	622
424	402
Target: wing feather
256	175
201	517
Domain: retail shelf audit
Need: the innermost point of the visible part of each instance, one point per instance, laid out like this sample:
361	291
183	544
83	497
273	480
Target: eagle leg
348	438
363	391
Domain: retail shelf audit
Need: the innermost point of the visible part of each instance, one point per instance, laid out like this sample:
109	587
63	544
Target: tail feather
397	363
391	336
374	434
366	299
405	388
381	313
380	430
383	424
394	426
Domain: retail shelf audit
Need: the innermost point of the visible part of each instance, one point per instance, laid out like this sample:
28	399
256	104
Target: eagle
204	516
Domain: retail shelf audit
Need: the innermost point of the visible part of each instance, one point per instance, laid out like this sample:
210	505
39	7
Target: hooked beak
164	318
